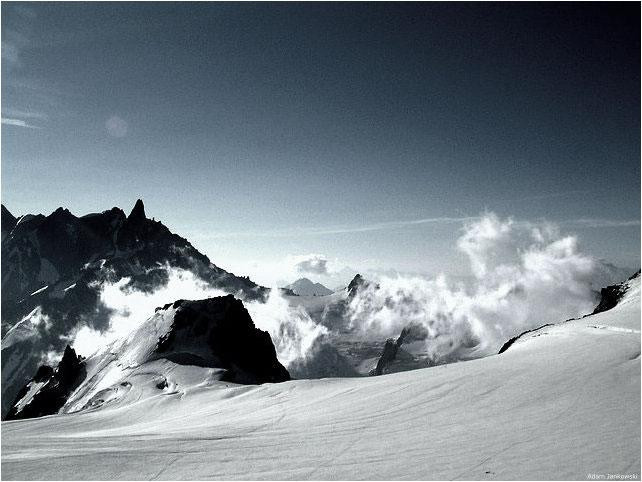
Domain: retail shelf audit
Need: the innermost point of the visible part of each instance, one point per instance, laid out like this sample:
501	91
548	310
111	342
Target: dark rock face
219	332
49	389
57	262
137	215
389	354
355	285
394	355
510	342
7	222
62	248
611	295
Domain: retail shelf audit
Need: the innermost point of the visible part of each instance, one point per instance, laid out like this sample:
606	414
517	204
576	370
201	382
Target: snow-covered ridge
562	403
215	333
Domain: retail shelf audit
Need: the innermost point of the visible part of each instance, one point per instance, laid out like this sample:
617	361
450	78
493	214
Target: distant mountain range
54	268
305	287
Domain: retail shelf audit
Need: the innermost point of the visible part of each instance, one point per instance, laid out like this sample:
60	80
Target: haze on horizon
344	136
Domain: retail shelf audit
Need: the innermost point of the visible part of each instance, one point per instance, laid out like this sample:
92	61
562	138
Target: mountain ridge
53	268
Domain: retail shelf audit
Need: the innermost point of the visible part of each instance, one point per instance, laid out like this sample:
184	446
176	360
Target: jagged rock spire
6	214
8	221
354	286
138	213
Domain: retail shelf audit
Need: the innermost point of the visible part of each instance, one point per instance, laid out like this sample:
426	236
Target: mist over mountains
92	281
55	266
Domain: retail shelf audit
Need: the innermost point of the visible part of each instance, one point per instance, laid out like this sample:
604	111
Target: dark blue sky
260	131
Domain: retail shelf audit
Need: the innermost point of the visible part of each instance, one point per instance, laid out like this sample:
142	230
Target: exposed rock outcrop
7	222
49	389
355	285
611	295
392	350
510	342
56	264
219	332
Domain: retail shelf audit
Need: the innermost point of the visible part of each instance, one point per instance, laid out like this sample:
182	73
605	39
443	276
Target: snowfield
562	402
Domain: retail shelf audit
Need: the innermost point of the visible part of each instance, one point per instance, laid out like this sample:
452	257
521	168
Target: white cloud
602	223
311	263
291	329
525	275
330	230
23	114
18	123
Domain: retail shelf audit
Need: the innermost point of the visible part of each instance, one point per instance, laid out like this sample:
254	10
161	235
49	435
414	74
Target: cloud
116	126
330	230
21	118
18	123
292	330
525	275
602	223
311	263
23	114
394	225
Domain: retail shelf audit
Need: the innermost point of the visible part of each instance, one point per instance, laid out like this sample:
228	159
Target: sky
344	136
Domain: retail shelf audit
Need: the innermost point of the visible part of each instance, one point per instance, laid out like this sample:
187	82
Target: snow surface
562	403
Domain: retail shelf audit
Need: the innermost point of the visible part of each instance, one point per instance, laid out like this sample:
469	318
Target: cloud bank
311	263
525	275
291	329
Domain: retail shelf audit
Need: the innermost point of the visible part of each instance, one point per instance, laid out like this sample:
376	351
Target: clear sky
263	132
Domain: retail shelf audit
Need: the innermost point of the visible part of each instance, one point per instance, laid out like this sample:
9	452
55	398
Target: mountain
611	295
53	268
208	340
7	222
49	389
357	284
560	403
343	350
305	287
395	359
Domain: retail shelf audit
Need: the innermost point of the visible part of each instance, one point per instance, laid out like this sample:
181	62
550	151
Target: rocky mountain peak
219	332
305	287
355	284
70	363
72	257
138	213
8	221
611	295
49	389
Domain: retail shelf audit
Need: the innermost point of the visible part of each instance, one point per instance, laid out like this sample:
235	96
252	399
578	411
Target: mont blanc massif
122	341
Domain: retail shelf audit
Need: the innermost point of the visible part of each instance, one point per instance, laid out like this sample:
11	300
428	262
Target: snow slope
562	402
